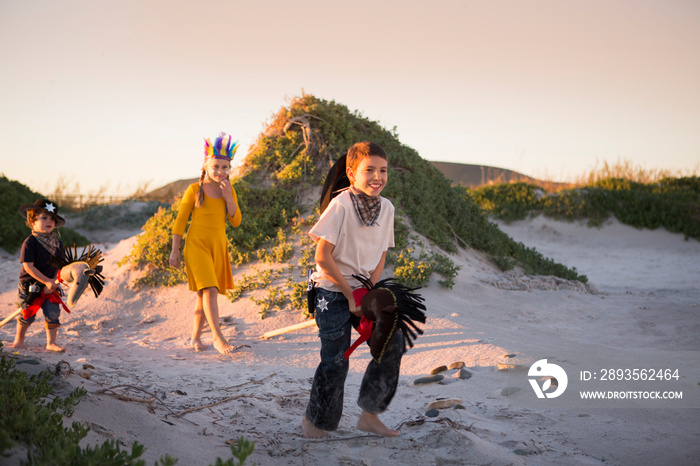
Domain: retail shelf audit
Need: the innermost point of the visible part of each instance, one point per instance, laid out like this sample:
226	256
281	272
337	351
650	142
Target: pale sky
121	93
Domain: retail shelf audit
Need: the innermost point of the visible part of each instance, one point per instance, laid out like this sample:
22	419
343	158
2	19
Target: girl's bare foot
197	345
17	344
224	347
311	431
55	347
369	422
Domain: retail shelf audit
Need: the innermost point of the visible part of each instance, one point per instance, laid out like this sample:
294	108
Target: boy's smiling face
44	223
370	176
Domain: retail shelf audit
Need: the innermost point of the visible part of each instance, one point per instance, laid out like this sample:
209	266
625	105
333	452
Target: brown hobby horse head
79	271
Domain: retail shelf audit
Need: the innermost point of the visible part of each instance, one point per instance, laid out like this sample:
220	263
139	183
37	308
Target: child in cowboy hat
352	237
37	276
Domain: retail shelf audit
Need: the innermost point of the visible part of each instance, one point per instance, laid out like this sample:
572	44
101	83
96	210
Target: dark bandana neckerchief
50	241
367	207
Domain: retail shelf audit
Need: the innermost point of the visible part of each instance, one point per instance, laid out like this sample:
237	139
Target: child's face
217	169
370	176
44	223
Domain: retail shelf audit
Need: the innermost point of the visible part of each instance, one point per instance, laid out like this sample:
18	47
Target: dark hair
32	215
363	149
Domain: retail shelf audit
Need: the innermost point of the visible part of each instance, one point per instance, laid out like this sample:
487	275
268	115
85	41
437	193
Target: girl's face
217	169
370	176
44	223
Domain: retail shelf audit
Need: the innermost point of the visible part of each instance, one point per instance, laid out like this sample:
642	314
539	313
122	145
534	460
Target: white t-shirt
358	248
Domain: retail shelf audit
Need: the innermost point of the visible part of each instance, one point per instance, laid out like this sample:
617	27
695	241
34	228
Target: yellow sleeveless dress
206	252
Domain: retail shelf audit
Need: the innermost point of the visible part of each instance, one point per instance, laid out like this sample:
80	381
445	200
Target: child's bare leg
199	319
19	336
369	422
211	312
51	334
310	430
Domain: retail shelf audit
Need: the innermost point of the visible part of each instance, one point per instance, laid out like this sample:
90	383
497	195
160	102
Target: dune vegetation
13	229
278	192
672	203
34	419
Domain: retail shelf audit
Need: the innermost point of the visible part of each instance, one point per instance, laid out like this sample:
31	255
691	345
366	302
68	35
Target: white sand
646	311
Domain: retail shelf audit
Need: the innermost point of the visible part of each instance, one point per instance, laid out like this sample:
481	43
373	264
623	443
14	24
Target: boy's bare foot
369	422
311	431
197	345
224	347
17	344
55	347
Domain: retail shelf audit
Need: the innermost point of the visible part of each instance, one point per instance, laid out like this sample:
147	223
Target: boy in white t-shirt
352	237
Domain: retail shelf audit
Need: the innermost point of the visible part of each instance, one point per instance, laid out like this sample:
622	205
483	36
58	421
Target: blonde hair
200	196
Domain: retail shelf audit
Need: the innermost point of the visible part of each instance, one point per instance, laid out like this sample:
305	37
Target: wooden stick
12	316
250	381
111	389
191	410
291	328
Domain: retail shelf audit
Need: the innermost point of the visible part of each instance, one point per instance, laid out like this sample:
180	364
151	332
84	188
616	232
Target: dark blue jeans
379	382
51	311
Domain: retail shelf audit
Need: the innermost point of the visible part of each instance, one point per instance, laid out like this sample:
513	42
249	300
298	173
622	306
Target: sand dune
128	349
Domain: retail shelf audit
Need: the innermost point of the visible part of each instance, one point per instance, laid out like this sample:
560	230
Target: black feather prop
91	256
409	306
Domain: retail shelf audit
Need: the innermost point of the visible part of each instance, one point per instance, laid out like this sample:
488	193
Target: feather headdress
223	148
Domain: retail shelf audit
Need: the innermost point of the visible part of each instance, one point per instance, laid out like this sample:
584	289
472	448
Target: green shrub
254	281
672	203
27	417
281	250
265	211
415	272
273	298
507	201
297	296
30	415
151	252
13	229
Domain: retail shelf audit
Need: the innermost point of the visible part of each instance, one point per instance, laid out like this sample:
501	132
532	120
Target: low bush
13	229
672	203
32	416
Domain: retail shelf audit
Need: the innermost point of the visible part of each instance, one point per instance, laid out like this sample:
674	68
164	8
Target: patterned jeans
379	382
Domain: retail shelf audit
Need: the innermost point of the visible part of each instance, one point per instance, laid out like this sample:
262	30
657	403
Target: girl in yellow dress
211	202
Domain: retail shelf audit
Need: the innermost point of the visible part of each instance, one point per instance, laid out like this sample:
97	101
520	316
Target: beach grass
32	420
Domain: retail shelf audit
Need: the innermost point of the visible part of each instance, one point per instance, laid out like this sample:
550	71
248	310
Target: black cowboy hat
43	204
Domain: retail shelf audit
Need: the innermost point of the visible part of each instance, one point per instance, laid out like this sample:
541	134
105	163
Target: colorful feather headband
223	148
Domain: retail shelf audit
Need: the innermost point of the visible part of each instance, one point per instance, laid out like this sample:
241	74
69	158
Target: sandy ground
129	350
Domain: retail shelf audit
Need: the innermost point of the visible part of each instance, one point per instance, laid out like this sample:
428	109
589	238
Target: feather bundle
223	147
91	256
409	306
